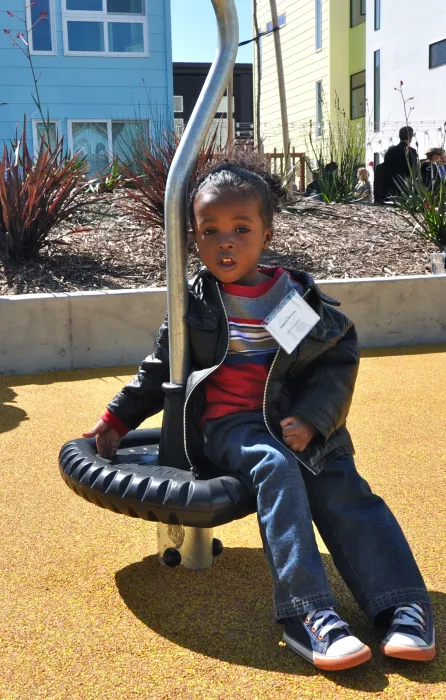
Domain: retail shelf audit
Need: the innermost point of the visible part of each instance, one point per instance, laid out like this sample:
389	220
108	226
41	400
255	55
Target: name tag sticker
291	321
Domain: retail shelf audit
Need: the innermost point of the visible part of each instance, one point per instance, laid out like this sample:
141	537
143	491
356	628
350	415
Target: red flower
7	31
371	164
401	83
20	36
11	14
43	15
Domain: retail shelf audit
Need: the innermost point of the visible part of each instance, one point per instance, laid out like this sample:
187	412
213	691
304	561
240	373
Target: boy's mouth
226	262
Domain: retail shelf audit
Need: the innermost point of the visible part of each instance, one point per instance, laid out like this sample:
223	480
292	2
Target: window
105	28
281	21
357	12
437	54
377	90
319	120
377	15
40	129
43	35
223	105
357	95
318	13
103	139
178	103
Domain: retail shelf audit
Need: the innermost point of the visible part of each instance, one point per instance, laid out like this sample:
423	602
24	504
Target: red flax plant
147	175
36	194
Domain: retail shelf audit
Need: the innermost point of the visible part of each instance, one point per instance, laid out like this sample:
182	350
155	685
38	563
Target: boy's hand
107	439
297	433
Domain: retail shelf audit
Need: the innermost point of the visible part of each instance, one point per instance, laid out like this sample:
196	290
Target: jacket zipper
214	369
276	357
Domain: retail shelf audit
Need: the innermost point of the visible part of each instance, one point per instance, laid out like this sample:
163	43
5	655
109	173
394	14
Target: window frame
358	87
318	24
319	113
52	21
36	140
109	123
438	65
377	19
104	17
362	6
178	97
377	91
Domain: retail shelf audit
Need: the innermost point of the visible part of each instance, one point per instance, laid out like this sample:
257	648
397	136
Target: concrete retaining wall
46	332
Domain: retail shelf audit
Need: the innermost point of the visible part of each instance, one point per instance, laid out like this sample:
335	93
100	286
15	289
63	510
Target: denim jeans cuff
393	598
300	606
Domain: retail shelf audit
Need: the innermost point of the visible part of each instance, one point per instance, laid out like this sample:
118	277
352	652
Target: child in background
278	422
363	191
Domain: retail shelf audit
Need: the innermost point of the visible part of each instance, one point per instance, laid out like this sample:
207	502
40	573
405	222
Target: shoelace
319	619
408	615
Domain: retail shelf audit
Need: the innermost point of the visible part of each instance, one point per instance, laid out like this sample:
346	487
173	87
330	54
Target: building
323	49
104	71
188	80
406	45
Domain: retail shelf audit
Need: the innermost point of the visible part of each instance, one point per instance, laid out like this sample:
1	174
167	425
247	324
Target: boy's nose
226	241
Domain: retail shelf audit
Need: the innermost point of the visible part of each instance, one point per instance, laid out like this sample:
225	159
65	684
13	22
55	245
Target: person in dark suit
399	161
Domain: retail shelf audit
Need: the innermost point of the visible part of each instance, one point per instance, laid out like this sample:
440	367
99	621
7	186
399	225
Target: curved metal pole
177	181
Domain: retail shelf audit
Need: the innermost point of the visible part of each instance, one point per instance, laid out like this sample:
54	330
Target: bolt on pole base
192	547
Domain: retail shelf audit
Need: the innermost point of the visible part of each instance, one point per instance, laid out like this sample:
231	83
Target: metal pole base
192	547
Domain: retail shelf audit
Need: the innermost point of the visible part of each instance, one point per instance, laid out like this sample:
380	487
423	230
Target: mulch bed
120	252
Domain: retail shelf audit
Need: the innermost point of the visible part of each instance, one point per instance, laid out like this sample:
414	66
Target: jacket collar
303	278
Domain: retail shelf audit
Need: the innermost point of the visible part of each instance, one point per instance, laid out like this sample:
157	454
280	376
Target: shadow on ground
10	416
225	612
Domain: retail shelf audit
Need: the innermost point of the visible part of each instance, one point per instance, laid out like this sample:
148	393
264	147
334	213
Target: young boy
277	420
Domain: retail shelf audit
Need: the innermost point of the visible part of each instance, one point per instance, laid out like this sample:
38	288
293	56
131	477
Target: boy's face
230	235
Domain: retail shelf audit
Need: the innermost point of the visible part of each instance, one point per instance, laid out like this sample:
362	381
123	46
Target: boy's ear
267	238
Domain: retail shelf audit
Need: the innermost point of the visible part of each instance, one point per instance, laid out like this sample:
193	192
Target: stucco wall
45	332
407	30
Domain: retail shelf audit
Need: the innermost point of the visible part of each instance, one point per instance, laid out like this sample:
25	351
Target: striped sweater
239	383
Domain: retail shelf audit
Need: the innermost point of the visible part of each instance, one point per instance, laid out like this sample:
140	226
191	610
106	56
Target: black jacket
315	382
397	161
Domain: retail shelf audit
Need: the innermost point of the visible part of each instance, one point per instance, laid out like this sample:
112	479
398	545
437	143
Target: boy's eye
209	231
242	229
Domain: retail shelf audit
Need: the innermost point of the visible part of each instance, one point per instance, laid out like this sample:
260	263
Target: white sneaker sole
329	663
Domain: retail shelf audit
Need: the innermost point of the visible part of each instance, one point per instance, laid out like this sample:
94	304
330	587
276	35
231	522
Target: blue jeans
363	537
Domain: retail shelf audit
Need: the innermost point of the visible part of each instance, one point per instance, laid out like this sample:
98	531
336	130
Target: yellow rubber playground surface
86	611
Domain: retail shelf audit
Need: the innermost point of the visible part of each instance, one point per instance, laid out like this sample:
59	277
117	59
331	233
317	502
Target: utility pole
282	95
230	110
259	78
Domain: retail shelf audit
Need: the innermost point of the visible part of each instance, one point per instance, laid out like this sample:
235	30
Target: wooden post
282	95
230	111
259	79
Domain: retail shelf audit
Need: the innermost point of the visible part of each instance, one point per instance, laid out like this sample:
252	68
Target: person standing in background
399	162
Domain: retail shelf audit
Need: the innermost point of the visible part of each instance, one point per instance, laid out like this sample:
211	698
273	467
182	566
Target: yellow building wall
342	54
339	22
303	67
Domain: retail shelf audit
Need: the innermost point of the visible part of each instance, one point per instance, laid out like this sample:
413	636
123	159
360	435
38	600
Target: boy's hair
244	171
363	172
405	133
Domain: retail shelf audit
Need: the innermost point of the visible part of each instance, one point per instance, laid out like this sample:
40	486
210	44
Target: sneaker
411	634
323	639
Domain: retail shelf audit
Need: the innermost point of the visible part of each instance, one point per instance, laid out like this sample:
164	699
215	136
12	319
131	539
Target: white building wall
407	30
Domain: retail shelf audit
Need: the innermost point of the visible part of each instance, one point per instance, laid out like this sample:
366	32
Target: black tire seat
132	484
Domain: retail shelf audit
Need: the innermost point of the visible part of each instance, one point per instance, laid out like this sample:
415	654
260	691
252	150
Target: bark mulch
117	251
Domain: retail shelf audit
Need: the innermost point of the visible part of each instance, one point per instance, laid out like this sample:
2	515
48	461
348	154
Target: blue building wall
85	87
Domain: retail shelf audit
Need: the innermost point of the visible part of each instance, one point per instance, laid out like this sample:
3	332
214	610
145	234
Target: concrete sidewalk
86	612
